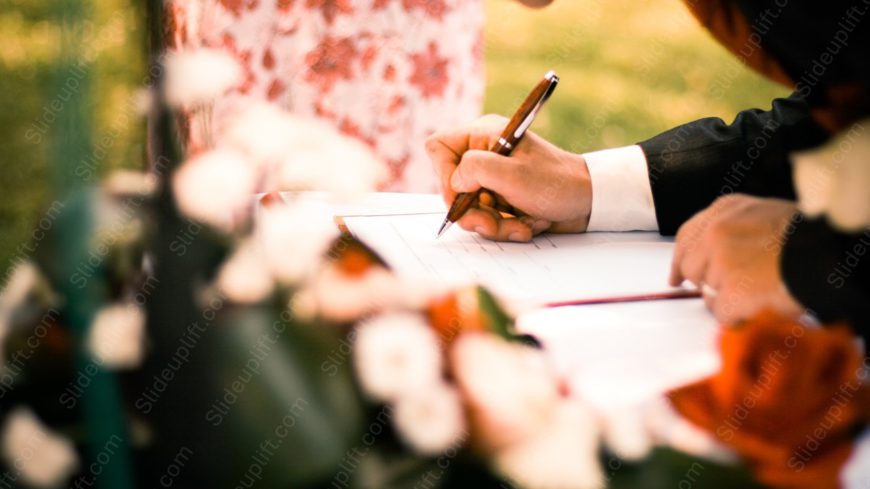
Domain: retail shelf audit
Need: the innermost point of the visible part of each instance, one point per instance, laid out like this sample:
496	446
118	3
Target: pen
509	138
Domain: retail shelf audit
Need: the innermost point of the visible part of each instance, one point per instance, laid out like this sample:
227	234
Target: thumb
483	169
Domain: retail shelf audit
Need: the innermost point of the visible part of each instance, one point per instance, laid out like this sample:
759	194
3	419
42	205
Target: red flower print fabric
330	61
430	72
388	72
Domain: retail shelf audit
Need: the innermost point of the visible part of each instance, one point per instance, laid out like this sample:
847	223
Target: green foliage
665	468
33	97
629	69
277	391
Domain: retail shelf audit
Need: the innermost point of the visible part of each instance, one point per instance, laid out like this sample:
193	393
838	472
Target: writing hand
548	188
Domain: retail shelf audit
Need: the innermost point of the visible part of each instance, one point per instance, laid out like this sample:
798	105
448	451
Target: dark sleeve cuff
829	272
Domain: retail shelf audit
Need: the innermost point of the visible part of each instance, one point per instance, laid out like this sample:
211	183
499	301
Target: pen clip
553	79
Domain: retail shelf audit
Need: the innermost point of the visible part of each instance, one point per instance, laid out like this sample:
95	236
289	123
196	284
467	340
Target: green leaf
291	406
665	468
498	320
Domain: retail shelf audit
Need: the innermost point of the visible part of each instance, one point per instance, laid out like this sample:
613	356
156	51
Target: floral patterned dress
389	72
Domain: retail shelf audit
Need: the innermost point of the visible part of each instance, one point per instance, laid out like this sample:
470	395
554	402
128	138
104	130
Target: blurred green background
31	97
629	69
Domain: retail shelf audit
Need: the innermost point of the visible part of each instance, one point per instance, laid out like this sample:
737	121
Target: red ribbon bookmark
677	294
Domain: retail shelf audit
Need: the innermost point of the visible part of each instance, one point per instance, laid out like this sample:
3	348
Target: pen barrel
462	203
503	146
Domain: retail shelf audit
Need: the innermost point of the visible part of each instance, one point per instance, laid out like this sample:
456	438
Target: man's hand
548	187
732	251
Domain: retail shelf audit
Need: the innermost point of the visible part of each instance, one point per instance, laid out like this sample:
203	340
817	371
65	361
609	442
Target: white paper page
622	354
553	267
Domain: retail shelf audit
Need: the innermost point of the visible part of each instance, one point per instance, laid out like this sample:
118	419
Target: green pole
108	460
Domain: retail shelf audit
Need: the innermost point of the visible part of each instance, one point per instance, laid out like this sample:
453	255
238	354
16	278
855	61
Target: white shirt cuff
621	193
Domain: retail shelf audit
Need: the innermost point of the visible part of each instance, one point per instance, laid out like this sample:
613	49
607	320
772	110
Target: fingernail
478	230
516	237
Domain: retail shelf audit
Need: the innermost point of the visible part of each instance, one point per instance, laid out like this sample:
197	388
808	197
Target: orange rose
470	308
352	257
788	399
455	312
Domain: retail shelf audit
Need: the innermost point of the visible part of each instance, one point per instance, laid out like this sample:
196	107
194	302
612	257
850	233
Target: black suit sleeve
826	270
693	164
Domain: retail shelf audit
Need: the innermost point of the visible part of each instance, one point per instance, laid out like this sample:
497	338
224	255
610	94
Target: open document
552	268
623	354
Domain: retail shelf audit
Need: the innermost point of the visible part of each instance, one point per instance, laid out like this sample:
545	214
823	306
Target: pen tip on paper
446	224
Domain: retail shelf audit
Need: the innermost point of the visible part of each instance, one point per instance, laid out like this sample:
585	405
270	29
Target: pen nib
444	226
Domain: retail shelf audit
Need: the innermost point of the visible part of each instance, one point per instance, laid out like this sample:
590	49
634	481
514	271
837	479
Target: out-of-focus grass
630	69
31	97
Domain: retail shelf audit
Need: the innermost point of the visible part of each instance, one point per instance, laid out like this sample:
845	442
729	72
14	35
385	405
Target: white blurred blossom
117	224
338	296
294	238
325	159
509	385
562	454
263	131
22	280
302	153
244	277
304	305
129	182
117	335
430	418
395	353
669	428
198	76
856	471
44	458
216	187
626	431
143	101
